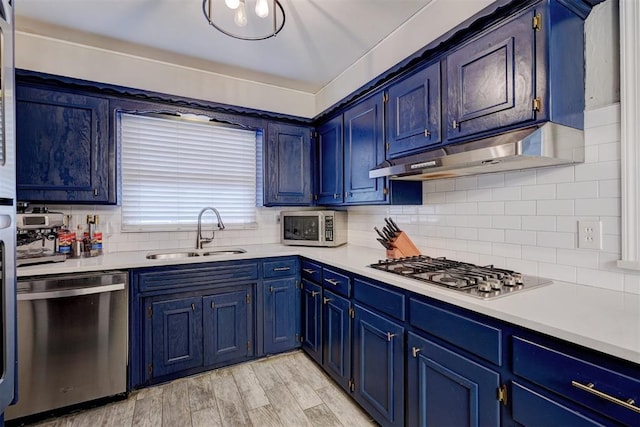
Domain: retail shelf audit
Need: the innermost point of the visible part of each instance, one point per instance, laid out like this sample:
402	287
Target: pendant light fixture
264	9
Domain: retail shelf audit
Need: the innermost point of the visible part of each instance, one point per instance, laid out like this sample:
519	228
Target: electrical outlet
590	234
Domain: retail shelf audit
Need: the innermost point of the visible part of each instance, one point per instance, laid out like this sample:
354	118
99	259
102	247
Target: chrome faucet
202	240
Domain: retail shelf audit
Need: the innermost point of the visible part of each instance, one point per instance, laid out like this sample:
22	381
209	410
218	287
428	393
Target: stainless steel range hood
548	144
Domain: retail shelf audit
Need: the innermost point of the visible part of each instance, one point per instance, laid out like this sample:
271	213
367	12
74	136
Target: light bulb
240	17
232	4
262	8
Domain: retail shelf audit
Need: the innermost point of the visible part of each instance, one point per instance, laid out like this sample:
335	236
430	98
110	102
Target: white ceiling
320	40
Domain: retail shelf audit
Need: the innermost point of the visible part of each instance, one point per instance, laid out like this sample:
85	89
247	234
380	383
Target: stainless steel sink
191	254
224	252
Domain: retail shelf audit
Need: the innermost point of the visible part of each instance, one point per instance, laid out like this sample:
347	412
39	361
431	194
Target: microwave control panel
328	228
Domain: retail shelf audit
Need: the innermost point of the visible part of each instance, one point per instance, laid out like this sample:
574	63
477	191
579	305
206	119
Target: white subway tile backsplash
445	185
467	233
598	207
539	223
602	134
506	193
520	237
602	116
577	190
556	239
539	192
555	207
632	283
609	188
479	247
491	180
601	279
455	196
478	195
536	253
479	221
491	235
555	175
466	183
507	250
577	257
609	152
519	178
598	171
466	208
520	207
512	222
491	208
558	272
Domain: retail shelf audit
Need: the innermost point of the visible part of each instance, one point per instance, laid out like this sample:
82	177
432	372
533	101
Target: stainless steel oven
7	209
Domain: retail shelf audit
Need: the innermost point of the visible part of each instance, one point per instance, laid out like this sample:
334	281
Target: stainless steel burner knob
495	283
518	278
484	286
508	281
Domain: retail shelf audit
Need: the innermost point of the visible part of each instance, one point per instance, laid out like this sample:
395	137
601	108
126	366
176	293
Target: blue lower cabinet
176	335
226	322
378	366
444	388
532	409
312	320
281	314
337	337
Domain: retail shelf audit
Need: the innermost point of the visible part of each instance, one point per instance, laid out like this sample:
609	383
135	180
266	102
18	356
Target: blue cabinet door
63	149
288	165
281	314
445	388
226	321
414	112
491	80
337	337
312	320
378	366
330	162
176	335
363	150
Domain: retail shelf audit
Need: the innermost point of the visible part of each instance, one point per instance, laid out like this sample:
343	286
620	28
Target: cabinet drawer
533	409
280	268
338	283
563	374
478	338
311	271
382	299
204	275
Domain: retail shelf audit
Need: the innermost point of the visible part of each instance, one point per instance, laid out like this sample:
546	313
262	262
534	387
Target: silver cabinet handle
282	269
69	292
455	124
415	351
326	300
390	336
591	388
309	271
332	282
314	294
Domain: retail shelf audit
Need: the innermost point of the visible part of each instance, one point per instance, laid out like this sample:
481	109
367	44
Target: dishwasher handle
30	296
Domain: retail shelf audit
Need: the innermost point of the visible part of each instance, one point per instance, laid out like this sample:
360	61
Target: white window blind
171	169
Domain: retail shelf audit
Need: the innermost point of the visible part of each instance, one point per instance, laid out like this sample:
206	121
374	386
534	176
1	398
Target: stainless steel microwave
313	228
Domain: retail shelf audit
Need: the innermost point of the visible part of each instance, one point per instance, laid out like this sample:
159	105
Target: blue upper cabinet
288	165
363	150
349	146
64	153
330	167
491	80
414	112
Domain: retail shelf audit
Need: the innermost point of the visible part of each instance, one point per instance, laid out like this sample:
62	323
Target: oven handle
69	292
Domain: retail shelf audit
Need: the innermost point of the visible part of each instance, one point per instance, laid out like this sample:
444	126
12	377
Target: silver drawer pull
309	271
314	294
591	388
282	269
332	282
390	336
326	300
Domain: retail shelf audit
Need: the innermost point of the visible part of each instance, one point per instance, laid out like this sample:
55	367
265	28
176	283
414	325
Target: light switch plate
590	235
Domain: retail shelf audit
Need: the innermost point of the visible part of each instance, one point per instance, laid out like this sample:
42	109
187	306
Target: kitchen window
172	167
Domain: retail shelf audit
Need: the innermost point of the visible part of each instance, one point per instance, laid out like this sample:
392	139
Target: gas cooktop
479	281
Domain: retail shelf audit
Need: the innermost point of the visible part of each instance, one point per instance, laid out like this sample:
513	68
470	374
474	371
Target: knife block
402	247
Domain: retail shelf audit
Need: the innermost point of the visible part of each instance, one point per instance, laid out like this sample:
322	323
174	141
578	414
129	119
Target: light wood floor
283	390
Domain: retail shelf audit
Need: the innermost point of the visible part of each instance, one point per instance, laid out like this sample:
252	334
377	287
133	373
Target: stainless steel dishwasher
72	340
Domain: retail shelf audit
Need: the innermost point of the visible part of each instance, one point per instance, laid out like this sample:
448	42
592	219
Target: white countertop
600	319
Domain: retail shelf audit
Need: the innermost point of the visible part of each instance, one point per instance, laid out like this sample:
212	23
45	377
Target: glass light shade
232	4
262	8
240	17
